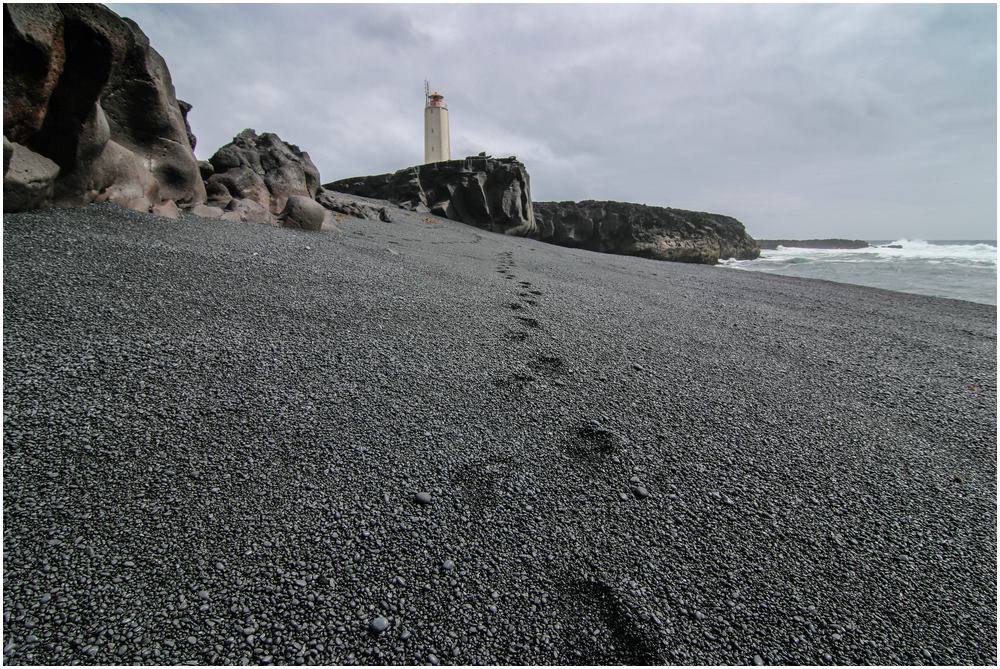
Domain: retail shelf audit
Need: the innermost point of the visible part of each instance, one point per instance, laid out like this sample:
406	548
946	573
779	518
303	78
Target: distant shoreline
771	244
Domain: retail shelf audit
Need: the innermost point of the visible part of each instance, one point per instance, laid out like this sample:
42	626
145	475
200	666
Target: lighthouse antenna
427	88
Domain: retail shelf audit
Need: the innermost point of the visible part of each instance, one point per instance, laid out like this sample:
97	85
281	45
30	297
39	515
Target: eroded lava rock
83	90
261	169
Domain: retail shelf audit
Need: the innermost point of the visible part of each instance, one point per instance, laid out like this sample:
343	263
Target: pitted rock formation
489	193
261	169
84	91
640	230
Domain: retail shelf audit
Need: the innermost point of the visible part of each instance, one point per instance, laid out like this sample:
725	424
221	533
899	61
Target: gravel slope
215	434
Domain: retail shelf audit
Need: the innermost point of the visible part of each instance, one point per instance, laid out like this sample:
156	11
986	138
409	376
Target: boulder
265	169
489	193
28	178
205	169
248	211
84	89
242	183
206	211
652	232
302	212
167	209
217	194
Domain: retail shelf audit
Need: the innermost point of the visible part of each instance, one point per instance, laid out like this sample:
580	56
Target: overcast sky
861	121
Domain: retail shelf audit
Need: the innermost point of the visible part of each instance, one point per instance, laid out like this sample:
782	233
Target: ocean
959	269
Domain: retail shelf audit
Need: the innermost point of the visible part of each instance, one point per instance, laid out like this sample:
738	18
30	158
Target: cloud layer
868	121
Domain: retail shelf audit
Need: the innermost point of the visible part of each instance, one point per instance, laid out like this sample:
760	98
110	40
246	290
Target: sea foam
962	270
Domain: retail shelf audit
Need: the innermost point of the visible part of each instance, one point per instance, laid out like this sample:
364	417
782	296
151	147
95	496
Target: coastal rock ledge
489	193
641	230
494	194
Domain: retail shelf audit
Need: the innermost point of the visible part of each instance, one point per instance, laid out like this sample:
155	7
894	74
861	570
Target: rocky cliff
90	114
652	232
489	193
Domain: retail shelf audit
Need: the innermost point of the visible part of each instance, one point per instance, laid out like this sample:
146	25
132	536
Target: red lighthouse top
435	99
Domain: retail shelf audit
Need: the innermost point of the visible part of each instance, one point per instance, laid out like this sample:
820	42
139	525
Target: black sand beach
215	432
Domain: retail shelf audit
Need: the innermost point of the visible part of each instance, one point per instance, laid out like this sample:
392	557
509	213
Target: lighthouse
437	143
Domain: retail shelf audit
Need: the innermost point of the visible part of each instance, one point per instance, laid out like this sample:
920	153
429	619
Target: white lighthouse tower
437	142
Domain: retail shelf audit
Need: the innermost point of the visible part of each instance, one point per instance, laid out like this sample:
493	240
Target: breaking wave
961	269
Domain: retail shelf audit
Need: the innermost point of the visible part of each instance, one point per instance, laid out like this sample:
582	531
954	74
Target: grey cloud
871	121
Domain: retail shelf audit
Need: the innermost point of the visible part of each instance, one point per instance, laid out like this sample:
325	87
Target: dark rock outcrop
262	169
641	230
771	244
84	91
489	193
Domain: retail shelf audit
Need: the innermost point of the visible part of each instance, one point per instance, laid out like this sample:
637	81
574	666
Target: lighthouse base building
437	143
